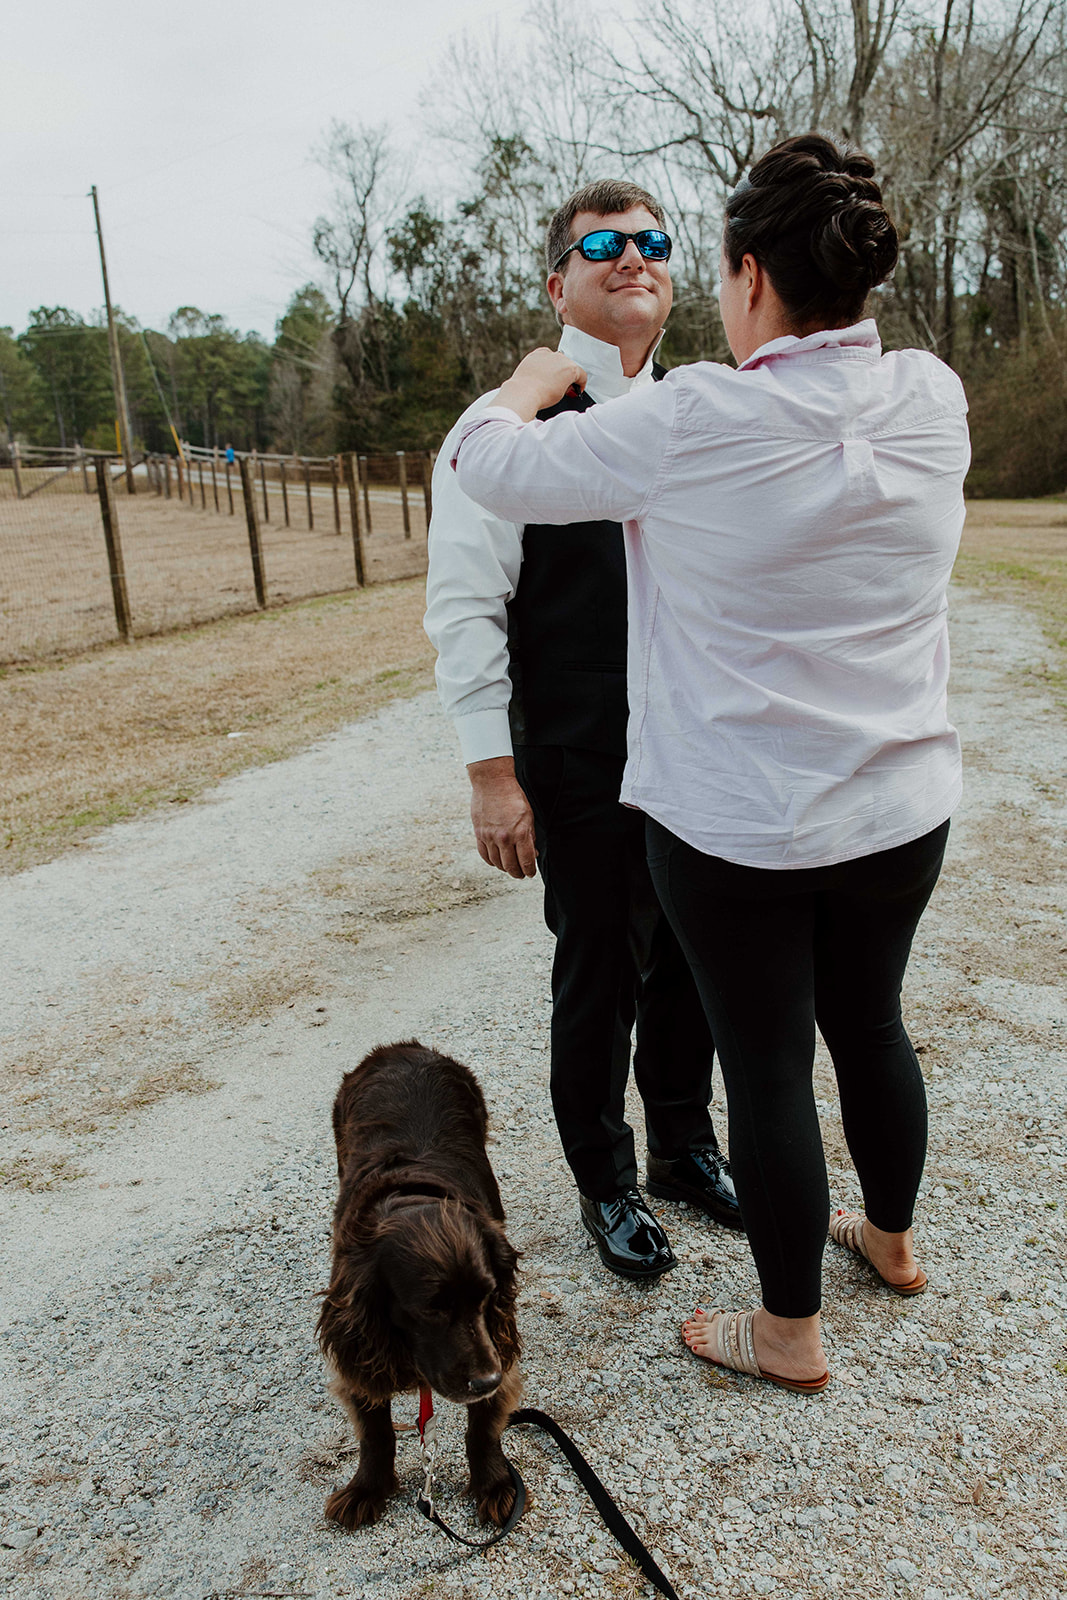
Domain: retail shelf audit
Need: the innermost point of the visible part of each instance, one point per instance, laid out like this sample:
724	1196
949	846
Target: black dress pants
617	963
777	954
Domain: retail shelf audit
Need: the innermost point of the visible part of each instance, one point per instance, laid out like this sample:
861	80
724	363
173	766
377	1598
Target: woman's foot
890	1254
785	1347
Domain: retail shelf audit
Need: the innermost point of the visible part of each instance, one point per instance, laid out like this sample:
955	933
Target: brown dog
423	1282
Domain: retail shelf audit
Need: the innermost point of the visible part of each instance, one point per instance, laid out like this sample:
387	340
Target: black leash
425	1505
610	1514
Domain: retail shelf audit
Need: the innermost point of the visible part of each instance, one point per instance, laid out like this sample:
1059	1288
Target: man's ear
557	293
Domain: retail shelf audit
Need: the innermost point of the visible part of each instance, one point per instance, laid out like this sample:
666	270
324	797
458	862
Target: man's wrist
492	773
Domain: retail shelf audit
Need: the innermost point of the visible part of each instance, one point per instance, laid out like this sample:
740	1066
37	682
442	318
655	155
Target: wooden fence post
83	458
179	467
116	570
285	489
307	488
203	491
402	473
335	479
214	476
263	486
350	467
248	490
166	477
229	486
365	475
15	468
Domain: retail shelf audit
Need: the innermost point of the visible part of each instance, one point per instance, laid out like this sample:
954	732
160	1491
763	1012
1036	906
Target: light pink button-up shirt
790	531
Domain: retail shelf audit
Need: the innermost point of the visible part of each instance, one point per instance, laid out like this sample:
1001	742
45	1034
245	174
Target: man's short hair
602	198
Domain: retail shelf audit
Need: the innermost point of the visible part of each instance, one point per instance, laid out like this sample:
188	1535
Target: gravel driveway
179	1002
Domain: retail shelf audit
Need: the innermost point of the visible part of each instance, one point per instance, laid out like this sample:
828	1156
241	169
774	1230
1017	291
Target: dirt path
180	999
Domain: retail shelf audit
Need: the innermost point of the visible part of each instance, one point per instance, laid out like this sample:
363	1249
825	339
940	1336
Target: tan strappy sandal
847	1228
734	1348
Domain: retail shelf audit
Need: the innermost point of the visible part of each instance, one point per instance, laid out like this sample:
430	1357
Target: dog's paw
495	1500
357	1505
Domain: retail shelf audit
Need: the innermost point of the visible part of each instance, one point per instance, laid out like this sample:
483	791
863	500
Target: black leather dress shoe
702	1177
627	1235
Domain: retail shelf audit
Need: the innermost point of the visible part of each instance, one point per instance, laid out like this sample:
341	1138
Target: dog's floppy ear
500	1312
353	1329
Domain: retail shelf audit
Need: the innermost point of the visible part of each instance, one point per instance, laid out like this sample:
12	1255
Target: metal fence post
428	459
350	466
116	570
248	490
365	475
335	479
402	473
285	489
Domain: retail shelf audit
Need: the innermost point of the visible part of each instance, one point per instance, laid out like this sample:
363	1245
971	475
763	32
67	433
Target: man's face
617	301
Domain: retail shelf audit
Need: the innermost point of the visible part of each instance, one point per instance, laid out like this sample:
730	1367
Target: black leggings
775	952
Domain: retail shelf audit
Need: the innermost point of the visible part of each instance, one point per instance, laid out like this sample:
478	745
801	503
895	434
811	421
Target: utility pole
117	379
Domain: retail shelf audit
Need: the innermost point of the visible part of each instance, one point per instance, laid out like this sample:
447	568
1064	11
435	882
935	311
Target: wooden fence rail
172	557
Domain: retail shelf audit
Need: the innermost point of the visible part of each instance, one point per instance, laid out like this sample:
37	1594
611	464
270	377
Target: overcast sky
196	123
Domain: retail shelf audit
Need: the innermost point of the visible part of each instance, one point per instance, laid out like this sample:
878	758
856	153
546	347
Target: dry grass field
184	564
115	731
1017	550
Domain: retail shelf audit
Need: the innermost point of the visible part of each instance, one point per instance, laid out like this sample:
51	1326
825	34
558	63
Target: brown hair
602	198
811	214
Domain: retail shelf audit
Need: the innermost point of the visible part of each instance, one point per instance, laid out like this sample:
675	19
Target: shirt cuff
483	735
490	414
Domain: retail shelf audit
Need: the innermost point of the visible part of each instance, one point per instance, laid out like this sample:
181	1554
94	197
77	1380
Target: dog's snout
486	1385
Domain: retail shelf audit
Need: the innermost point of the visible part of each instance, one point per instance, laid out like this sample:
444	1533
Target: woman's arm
539	380
600	463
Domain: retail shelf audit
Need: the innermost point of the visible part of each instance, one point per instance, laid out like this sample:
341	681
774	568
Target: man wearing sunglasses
530	628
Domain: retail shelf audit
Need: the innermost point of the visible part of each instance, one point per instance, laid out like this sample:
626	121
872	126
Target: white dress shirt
474	562
790	531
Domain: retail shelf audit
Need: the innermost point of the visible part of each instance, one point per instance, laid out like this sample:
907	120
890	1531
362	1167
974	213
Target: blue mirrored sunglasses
608	244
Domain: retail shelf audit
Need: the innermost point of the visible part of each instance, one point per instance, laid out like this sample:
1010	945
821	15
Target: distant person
231	455
530	630
790	531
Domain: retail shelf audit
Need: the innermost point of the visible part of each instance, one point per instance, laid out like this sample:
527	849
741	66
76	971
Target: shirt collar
862	336
603	364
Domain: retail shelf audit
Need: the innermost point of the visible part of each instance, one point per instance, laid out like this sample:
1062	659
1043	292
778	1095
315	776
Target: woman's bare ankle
789	1346
892	1254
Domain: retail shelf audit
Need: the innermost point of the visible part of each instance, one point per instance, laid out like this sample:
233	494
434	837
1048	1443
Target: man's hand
539	380
503	821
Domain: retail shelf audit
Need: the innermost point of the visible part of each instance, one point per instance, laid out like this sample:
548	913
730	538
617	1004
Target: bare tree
370	183
951	114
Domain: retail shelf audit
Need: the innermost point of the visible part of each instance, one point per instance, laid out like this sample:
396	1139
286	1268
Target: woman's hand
539	380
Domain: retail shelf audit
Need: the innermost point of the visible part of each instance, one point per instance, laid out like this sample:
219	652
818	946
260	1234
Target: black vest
567	631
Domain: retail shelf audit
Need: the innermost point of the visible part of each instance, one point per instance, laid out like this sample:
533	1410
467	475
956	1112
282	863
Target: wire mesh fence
83	560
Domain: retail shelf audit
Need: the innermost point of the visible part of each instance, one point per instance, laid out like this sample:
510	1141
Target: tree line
962	103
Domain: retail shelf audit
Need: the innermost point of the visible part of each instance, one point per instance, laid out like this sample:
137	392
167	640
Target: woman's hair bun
811	213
